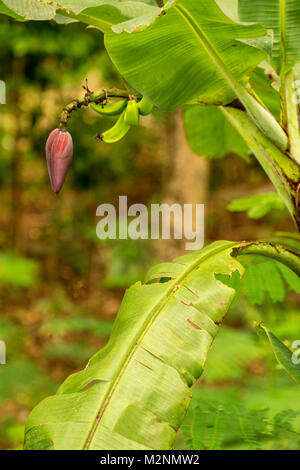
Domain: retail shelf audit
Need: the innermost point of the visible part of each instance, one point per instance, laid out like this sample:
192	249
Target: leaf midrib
159	305
196	28
283	34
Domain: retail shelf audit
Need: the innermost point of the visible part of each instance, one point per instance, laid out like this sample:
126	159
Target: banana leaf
134	393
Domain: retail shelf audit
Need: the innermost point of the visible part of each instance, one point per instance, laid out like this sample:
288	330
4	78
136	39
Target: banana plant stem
283	172
291	113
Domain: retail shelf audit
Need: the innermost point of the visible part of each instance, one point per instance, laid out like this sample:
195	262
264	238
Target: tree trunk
186	180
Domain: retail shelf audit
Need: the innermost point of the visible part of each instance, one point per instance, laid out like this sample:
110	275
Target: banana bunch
145	107
109	109
129	112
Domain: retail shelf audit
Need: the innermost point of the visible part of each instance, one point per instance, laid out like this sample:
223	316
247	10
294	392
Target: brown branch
91	97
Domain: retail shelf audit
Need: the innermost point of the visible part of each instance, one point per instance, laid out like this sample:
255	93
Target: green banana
132	113
145	107
117	132
109	109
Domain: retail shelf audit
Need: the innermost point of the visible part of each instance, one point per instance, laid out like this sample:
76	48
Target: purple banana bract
59	155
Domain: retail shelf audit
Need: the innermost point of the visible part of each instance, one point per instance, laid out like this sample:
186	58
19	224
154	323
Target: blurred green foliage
244	399
257	206
10	264
60	287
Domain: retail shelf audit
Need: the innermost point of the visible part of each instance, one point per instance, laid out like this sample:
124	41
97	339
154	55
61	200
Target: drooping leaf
135	355
105	13
134	393
127	7
31	9
4	10
183	54
283	17
284	356
99	13
287	239
210	134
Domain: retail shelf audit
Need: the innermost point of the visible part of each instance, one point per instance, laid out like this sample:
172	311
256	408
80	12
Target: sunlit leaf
176	59
4	10
31	9
283	17
99	13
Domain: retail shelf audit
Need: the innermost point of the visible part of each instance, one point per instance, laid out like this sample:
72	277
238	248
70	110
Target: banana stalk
280	168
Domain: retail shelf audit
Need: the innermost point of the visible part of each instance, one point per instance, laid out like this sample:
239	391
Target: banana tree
207	57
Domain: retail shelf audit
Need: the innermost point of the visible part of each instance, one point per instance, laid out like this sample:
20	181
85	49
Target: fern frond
213	426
